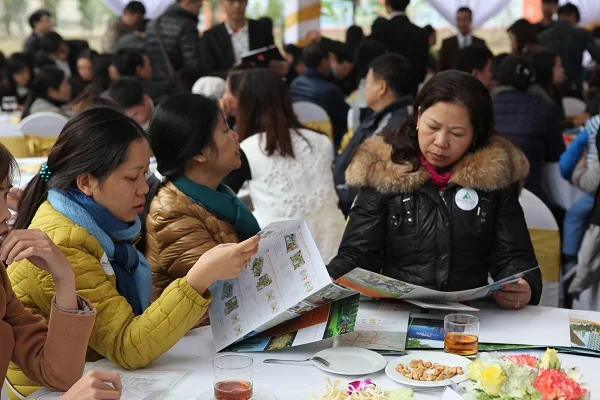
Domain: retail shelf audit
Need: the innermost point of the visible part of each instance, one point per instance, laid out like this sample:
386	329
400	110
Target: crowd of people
426	159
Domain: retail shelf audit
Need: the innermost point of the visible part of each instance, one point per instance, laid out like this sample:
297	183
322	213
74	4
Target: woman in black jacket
439	199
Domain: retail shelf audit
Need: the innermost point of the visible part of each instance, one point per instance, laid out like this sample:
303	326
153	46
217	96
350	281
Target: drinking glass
461	334
10	103
232	375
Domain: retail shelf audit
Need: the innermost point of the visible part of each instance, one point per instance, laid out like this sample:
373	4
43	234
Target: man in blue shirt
315	87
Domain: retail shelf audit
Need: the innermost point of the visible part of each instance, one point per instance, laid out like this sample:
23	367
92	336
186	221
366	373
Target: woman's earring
417	128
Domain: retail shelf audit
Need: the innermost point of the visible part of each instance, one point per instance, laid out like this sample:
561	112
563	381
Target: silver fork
282	361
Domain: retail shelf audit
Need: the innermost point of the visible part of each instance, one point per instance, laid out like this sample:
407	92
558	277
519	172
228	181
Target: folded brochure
285	279
375	285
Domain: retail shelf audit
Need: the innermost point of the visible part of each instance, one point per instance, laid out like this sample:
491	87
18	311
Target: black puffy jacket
179	31
402	227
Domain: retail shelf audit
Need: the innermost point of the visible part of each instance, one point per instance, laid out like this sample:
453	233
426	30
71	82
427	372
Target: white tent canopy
482	9
154	8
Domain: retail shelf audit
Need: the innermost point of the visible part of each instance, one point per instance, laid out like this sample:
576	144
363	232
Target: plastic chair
314	117
573	106
545	237
40	131
11	136
559	191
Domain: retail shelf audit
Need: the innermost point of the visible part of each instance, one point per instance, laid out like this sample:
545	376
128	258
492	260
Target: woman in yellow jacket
87	199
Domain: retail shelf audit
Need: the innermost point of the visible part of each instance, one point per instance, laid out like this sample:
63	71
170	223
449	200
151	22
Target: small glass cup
232	377
461	334
10	103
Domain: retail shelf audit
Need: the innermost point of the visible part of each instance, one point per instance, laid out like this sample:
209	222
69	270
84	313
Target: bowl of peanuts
427	369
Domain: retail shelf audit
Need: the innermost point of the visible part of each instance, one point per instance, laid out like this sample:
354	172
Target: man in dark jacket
342	66
549	8
407	39
224	45
570	41
173	42
464	38
136	64
477	61
387	86
41	23
131	21
315	87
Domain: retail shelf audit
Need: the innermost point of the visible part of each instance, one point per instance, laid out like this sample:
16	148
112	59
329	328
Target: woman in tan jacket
51	352
192	211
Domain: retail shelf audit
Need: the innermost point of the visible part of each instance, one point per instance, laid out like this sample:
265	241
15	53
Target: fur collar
494	167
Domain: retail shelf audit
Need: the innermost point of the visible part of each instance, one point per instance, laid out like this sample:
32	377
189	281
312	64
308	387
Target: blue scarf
223	203
134	279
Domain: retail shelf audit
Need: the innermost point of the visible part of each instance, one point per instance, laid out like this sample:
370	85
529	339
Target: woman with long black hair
50	91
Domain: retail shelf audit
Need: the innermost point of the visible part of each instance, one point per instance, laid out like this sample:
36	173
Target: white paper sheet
287	270
450	394
534	326
137	385
445	305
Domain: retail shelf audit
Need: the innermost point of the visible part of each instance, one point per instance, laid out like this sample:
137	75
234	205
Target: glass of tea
462	334
232	377
10	103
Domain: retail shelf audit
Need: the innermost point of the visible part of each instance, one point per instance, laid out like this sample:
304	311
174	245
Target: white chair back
44	124
314	117
573	106
545	237
559	191
537	214
308	112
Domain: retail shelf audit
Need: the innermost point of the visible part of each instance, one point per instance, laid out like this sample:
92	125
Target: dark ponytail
516	71
49	77
445	87
95	141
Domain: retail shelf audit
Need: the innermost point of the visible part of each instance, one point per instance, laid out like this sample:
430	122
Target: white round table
195	352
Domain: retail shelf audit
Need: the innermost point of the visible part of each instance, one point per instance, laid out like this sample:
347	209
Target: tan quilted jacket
178	232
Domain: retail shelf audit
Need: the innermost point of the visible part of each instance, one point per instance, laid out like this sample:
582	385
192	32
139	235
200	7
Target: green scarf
223	203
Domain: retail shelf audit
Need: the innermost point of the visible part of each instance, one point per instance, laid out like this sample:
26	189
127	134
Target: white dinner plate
448	360
351	361
259	394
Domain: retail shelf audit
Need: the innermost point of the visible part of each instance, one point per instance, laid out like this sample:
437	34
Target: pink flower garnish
556	385
359	386
524	359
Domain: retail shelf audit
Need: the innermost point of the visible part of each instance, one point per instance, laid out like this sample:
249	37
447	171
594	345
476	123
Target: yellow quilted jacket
129	341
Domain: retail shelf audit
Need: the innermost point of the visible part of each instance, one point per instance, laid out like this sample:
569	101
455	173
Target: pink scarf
439	179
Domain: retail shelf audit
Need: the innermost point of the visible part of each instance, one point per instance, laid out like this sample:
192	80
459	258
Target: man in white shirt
464	38
224	45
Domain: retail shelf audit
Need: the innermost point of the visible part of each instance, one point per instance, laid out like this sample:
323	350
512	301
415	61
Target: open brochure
379	286
285	279
380	326
585	330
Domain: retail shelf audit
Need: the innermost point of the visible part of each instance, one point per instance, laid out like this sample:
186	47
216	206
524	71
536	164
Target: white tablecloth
195	352
8	127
